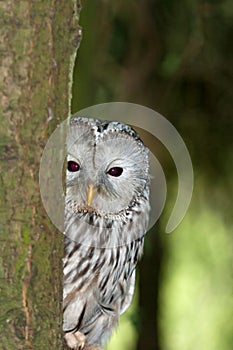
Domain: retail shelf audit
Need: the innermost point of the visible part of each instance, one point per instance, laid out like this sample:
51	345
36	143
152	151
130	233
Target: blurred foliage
175	57
196	289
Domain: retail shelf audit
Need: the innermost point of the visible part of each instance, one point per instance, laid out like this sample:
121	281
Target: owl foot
75	340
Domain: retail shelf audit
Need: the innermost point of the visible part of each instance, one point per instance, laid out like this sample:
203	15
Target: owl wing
129	295
83	309
74	309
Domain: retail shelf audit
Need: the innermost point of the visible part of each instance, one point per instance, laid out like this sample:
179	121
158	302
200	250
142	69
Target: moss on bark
39	40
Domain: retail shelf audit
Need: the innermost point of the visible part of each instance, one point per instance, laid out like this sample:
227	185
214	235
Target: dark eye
116	171
73	166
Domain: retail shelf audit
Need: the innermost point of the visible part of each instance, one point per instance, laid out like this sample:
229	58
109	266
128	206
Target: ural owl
106	218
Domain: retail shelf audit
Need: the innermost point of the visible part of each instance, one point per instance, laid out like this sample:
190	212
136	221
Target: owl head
107	166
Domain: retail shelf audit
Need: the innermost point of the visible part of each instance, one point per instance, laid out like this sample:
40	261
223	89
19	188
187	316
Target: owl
106	218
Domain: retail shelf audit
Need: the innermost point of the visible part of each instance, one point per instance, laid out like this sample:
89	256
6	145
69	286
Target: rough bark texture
38	42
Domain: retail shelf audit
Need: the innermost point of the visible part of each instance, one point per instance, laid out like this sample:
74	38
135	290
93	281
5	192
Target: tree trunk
38	42
149	279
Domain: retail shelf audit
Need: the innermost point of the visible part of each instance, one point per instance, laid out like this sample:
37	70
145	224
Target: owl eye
73	166
115	171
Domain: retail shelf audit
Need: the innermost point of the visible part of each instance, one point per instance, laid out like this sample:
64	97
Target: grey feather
104	239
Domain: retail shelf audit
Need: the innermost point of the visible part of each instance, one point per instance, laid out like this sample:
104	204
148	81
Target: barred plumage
107	213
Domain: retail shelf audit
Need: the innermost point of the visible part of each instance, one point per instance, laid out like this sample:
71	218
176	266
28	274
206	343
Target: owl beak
90	194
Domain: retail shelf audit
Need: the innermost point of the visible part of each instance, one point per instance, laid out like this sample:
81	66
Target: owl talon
76	340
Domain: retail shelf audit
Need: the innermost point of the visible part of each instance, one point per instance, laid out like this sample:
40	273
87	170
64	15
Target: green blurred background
176	58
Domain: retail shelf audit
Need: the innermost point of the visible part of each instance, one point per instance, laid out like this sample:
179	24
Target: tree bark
38	43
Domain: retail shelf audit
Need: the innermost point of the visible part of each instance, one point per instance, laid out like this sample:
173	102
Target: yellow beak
90	194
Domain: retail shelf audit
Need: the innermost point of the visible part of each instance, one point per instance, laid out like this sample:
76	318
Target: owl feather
106	218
